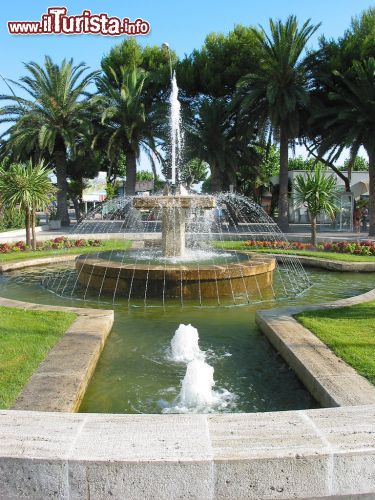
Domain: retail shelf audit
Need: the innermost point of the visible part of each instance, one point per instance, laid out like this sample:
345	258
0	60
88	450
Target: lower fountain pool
139	373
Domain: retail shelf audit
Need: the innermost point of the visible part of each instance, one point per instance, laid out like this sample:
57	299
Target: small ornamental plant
318	193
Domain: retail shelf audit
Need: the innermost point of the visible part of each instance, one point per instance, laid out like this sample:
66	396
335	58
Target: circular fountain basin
241	275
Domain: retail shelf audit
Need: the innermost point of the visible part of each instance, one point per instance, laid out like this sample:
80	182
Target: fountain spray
175	123
185	345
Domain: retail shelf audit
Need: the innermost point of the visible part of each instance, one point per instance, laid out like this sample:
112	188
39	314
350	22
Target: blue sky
183	24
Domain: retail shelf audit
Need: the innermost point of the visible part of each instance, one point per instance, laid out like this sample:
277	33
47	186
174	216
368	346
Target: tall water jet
184	344
176	129
176	203
197	385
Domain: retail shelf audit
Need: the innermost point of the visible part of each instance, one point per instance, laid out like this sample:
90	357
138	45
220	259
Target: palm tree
210	138
57	111
318	193
27	187
275	95
349	121
128	128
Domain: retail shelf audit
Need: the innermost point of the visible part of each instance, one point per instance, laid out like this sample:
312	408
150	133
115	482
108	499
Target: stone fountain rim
90	263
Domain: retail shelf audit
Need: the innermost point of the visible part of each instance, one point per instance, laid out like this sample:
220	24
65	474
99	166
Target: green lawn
239	245
107	245
25	339
349	332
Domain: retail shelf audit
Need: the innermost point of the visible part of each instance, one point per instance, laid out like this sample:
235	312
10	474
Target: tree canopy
223	59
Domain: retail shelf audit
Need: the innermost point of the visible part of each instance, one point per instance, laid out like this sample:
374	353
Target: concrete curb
283	455
60	381
329	379
21	264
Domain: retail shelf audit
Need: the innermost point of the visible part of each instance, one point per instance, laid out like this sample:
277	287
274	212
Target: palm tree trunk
283	220
62	184
27	226
131	172
313	231
77	208
154	173
33	240
371	201
216	179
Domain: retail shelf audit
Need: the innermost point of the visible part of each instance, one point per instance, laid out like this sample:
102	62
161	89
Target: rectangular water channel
136	375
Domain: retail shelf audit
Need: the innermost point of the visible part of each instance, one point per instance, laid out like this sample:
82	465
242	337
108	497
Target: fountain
197	385
184	344
179	246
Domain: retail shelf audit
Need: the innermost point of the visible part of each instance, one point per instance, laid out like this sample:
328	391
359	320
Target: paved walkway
13	236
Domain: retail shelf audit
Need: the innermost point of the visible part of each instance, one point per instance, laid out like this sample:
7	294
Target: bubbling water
196	392
184	344
197	385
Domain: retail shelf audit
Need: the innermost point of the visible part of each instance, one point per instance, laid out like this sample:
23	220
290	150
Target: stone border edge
39	261
328	378
61	380
329	264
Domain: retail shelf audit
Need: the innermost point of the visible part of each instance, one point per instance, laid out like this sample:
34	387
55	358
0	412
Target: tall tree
275	94
331	59
56	112
128	126
350	120
210	138
216	67
154	60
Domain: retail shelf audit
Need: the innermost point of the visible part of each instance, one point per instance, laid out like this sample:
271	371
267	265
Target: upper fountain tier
175	201
174	208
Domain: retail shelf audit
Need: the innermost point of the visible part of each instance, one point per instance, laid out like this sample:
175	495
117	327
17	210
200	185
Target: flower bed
59	243
349	247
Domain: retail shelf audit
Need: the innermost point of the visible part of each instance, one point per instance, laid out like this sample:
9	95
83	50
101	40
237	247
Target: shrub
5	248
10	218
59	243
351	247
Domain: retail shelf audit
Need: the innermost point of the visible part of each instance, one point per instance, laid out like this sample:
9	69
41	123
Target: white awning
360	188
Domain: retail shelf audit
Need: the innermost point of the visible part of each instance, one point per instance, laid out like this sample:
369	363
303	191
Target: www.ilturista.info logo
57	22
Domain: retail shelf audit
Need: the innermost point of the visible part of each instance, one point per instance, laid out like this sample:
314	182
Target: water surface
136	375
